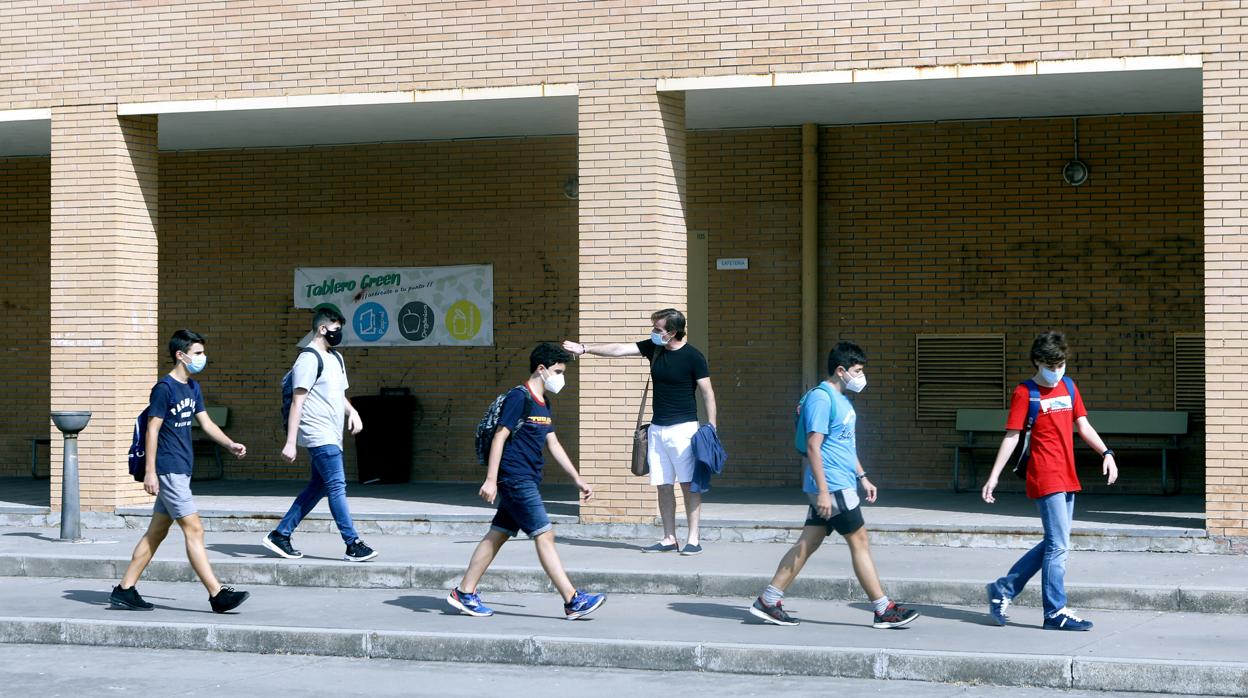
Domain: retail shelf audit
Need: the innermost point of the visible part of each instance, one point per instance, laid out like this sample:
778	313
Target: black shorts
845	521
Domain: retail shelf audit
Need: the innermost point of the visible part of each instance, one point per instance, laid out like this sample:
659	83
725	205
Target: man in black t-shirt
678	370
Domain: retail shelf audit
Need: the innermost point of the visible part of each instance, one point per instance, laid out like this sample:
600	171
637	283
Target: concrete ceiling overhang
1034	96
368	123
1167	84
25	132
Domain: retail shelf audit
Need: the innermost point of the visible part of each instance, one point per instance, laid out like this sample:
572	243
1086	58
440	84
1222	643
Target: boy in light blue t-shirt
832	475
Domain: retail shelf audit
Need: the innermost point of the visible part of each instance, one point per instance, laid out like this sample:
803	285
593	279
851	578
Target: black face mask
333	337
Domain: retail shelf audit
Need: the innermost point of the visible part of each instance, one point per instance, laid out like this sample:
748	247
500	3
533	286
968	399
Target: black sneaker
691	549
281	545
771	614
358	552
128	599
661	548
227	599
894	616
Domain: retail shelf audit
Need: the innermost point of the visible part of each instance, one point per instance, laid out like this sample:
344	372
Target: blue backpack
489	422
138	442
1022	452
799	433
288	380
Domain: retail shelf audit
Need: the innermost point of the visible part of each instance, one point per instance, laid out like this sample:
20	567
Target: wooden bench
1145	430
221	417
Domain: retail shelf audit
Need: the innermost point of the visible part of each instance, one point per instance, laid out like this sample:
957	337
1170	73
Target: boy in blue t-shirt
175	403
833	473
515	471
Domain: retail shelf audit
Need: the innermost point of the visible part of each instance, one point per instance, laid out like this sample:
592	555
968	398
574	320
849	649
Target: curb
1046	671
272	572
713	530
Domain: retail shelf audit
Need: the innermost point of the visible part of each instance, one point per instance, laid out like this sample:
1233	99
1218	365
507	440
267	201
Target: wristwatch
864	474
1107	453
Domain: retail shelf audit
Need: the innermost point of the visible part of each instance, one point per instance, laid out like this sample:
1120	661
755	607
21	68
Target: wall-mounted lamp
1076	171
572	187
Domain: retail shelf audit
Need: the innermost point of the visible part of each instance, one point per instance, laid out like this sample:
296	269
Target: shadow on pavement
591	543
236	550
91	597
927	611
739	613
438	604
36	536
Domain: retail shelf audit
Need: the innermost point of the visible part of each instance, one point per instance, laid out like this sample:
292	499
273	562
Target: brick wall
104	292
24	300
1225	91
938	222
633	258
208	50
235	225
956	227
745	191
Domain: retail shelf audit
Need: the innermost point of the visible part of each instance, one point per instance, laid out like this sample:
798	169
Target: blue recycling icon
370	322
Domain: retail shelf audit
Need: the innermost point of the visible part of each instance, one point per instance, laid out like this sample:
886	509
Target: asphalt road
82	672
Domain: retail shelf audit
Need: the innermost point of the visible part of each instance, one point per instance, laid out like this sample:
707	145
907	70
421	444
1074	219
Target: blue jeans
1057	510
327	481
520	508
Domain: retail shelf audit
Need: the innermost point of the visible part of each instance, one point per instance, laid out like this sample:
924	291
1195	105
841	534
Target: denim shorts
520	508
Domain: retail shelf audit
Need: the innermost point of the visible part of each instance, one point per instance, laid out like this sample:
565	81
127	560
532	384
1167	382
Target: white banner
404	306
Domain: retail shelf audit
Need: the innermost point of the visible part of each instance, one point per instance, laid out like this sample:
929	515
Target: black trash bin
383	450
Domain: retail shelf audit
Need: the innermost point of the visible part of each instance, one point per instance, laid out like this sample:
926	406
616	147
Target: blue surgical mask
1050	376
197	363
657	337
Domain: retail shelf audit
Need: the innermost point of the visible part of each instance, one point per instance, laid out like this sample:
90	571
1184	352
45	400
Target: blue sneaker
998	604
1065	620
583	604
468	604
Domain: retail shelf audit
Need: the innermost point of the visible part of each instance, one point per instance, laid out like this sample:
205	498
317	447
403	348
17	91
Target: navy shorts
520	508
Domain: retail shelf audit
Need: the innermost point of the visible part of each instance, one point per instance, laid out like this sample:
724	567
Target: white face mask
1050	376
855	384
554	382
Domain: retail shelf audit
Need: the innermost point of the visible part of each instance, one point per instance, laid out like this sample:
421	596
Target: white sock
772	595
881	604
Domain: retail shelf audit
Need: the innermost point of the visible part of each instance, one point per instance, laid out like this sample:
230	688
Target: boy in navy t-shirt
515	471
176	402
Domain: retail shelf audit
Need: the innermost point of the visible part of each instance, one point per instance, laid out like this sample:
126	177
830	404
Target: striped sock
772	595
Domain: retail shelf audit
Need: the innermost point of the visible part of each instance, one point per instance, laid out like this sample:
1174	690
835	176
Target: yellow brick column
632	263
104	286
1226	292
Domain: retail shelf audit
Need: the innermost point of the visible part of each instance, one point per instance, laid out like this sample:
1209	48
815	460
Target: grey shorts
174	498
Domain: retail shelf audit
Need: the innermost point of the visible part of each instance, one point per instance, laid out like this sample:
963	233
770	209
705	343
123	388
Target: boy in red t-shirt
1051	480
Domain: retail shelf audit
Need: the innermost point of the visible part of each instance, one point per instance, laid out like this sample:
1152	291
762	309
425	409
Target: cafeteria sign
404	306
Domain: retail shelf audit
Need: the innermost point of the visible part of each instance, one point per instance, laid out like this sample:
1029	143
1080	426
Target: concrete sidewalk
1128	650
1102	522
940	575
1175	624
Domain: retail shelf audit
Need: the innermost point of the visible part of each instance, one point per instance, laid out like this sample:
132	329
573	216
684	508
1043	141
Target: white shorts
671	453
